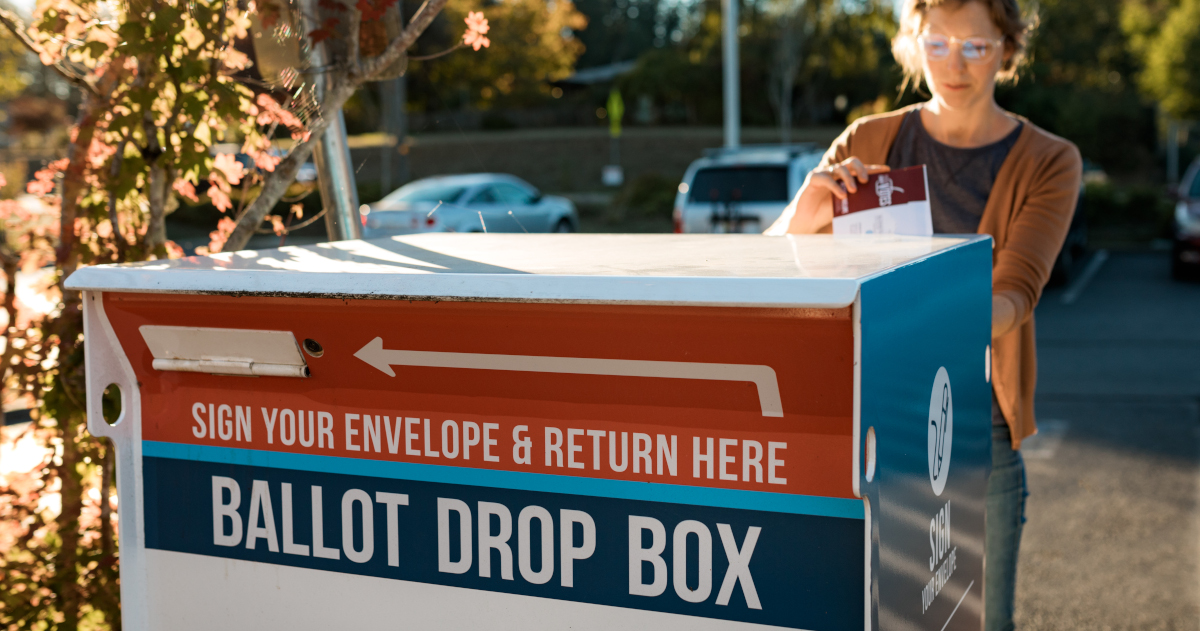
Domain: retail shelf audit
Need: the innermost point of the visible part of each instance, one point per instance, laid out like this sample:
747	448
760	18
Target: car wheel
564	225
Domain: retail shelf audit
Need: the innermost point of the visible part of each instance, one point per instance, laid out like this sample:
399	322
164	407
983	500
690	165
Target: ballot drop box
526	432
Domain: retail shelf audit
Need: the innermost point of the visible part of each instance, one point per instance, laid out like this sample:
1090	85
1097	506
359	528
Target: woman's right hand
812	208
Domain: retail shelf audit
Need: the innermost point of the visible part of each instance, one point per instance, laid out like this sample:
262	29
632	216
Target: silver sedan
479	202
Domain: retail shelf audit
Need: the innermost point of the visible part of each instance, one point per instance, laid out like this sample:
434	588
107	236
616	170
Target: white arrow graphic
763	377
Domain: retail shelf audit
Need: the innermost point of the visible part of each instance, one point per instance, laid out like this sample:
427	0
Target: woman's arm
1004	315
1035	236
812	208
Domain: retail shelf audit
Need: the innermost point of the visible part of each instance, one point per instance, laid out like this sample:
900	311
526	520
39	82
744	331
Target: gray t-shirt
960	180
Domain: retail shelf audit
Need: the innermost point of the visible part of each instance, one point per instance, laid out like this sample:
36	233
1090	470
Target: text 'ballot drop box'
550	432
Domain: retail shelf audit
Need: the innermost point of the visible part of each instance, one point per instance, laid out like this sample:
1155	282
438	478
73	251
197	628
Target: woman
989	172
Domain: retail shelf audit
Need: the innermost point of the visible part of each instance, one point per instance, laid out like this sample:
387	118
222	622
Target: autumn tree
346	68
796	27
12	54
533	46
1166	36
161	82
817	49
157	89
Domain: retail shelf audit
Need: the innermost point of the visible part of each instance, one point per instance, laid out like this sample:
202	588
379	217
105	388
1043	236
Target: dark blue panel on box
806	570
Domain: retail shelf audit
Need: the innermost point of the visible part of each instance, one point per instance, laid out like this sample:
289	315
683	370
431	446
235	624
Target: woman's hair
1006	15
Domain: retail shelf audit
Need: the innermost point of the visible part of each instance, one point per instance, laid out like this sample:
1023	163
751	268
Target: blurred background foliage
11	55
533	45
841	49
1106	74
1080	82
1102	73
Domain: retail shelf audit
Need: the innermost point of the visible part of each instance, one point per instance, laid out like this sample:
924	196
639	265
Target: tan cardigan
1027	214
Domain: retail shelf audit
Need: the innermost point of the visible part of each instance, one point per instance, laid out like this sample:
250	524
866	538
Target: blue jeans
1005	517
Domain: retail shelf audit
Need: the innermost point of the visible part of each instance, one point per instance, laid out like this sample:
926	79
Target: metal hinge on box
246	352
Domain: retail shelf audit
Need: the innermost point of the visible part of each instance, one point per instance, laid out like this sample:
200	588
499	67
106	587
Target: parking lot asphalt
1113	533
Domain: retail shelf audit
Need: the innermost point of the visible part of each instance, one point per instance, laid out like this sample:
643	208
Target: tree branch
353	41
417	25
114	219
276	182
11	263
337	91
16	26
436	55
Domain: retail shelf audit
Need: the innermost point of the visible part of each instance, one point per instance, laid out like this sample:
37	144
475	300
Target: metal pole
733	115
387	96
395	123
394	164
339	195
401	131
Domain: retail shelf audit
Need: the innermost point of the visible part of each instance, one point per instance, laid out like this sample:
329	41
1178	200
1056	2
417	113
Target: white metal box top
720	270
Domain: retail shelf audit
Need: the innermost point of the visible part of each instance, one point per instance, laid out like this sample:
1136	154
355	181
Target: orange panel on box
757	399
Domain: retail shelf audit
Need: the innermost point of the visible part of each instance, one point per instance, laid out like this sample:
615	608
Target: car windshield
426	192
740	184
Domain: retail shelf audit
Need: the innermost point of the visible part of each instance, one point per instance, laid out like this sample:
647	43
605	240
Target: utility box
526	432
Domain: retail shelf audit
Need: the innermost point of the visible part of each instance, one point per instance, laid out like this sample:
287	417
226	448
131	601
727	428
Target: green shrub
650	195
1135	212
495	121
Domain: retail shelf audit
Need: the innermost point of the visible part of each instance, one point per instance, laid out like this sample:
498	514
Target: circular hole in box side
313	348
870	454
111	403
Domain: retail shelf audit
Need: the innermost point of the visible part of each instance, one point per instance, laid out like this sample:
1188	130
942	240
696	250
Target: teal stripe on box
516	480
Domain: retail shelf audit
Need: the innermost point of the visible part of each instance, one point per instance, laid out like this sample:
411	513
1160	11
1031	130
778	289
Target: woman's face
955	80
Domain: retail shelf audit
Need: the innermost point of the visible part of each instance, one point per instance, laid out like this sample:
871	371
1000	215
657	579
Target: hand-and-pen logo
884	187
941	430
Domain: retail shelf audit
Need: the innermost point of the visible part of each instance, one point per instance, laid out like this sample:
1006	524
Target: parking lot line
1076	288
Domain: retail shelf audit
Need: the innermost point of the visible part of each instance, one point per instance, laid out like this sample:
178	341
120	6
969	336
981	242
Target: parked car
1185	247
478	202
743	189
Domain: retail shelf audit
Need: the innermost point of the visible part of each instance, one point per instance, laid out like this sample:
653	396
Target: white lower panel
189	591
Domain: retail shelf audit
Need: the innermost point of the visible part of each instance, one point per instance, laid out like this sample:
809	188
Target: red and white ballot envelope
896	202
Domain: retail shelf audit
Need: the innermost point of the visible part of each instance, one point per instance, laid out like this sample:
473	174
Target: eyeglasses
974	49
